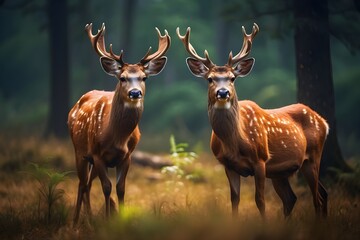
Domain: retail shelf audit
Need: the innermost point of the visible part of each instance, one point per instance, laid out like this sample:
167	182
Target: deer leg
105	183
121	172
283	189
234	182
91	176
323	199
259	174
310	172
82	175
78	203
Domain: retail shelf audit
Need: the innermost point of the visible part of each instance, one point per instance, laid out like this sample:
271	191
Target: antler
164	44
190	49
98	43
246	47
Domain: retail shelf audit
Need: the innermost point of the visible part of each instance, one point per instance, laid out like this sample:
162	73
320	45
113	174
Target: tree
59	68
314	71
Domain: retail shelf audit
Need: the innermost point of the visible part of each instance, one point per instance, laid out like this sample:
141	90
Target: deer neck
124	118
226	124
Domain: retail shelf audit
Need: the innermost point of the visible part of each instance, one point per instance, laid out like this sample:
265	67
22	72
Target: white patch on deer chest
136	104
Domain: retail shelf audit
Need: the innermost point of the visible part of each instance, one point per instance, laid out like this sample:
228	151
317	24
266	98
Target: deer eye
232	79
210	80
144	79
122	79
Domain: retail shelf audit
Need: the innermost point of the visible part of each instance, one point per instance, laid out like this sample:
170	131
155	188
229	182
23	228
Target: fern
49	192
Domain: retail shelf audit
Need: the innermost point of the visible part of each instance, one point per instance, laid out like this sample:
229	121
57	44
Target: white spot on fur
317	124
304	111
73	115
250	108
101	112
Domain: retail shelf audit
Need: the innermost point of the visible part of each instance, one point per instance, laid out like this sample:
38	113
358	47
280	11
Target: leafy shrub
182	161
348	181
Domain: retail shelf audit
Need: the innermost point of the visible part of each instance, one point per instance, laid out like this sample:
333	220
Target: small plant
349	181
49	193
181	159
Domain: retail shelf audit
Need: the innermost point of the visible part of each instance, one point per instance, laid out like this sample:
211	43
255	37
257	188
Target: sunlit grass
157	209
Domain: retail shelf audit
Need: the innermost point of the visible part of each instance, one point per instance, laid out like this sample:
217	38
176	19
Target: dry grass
158	209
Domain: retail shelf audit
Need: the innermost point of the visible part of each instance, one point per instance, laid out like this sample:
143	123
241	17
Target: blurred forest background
47	62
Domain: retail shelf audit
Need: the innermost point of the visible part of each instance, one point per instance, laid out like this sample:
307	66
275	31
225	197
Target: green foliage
182	160
175	101
349	181
49	193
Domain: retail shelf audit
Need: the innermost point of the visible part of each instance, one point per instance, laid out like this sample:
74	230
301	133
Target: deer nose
222	93
135	94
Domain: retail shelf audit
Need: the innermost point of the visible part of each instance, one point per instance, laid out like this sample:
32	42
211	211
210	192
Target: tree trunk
128	16
59	68
222	33
314	71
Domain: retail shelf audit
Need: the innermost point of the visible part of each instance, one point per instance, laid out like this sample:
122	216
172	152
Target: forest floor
157	206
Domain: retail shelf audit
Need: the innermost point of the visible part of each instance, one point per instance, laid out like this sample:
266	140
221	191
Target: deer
103	125
265	143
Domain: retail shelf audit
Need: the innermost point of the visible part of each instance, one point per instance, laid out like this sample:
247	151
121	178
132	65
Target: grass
156	210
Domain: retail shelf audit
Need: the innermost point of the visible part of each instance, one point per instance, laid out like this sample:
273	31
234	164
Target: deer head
131	76
221	78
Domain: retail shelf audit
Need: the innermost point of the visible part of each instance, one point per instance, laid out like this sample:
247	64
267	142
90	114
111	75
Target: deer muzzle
223	94
135	94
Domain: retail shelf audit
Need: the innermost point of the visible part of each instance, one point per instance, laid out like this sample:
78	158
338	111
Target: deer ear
110	66
197	67
244	67
155	66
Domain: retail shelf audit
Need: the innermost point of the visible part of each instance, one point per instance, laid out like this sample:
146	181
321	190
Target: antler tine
117	57
98	43
246	47
191	50
164	44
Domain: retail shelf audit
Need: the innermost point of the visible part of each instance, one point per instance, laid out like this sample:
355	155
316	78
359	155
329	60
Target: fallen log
146	159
